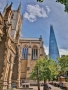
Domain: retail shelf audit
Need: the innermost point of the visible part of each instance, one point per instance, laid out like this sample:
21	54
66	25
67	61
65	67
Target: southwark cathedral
17	55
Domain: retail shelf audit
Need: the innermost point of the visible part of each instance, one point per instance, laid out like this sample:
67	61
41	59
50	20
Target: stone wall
2	53
28	64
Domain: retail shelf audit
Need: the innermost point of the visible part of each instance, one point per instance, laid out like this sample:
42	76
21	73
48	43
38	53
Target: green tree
63	62
46	68
40	0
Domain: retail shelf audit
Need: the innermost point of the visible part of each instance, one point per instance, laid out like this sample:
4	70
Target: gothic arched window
25	53
34	53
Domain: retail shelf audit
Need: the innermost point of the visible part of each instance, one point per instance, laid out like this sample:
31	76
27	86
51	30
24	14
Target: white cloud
34	11
61	51
48	9
46	49
30	17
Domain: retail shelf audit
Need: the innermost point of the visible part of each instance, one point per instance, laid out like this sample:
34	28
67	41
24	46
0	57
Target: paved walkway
41	88
54	88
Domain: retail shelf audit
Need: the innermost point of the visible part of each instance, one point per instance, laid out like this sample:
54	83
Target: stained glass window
34	53
25	53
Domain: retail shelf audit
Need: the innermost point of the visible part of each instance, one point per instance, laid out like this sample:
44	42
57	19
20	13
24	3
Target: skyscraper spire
53	48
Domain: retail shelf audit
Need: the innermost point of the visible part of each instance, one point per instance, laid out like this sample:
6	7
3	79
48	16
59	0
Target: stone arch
25	45
35	46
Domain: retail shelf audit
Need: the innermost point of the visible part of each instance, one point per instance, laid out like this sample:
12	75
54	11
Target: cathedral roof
29	39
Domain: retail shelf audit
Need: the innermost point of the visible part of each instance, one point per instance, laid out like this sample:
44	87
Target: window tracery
25	53
35	53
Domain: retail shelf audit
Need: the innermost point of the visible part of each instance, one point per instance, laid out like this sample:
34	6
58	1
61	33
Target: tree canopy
47	68
40	0
63	62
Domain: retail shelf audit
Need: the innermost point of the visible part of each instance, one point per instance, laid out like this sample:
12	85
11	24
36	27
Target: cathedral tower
10	26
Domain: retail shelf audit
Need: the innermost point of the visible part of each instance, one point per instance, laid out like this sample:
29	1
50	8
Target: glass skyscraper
53	48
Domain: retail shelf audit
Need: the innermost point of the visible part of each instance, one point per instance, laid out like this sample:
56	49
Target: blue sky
37	18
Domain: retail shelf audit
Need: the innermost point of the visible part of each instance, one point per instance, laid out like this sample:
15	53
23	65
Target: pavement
41	88
54	88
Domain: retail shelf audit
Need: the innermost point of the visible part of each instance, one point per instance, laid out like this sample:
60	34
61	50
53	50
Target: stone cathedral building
17	55
32	50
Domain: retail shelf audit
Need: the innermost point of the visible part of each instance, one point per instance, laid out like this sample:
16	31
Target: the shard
53	48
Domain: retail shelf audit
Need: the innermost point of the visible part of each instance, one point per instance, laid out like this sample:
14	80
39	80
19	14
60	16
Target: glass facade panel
53	48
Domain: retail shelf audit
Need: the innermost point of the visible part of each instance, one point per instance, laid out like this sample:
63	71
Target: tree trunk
38	79
44	84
